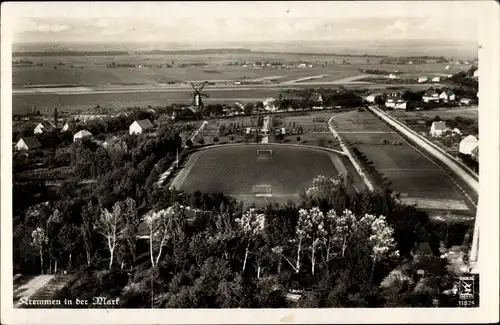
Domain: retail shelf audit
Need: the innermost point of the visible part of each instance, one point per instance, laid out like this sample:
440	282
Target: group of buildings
32	143
469	145
395	100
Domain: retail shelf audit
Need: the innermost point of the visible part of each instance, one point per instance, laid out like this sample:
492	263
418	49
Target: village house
392	99
81	135
468	144
430	96
317	99
447	95
475	153
139	127
476	74
43	127
438	128
400	104
447	67
392	76
436	79
373	97
29	143
422	80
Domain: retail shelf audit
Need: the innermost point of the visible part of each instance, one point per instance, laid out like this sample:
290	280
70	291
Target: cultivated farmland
408	170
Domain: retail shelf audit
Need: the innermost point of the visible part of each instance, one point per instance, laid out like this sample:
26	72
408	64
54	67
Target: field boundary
348	154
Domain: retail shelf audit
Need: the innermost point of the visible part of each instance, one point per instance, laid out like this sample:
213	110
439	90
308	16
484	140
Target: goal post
264	153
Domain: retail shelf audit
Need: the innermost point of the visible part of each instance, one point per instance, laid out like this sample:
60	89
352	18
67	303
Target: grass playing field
235	170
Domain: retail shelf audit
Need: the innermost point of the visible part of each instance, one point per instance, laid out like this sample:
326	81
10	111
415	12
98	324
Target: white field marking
441	168
184	172
304	79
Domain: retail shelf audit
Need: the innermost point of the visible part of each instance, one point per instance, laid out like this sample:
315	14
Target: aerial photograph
245	155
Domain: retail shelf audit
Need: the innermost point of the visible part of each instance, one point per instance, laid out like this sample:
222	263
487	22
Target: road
185	89
25	286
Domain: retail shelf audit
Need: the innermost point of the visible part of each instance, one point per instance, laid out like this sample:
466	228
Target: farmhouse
468	144
437	128
422	80
400	104
430	96
392	99
139	127
29	143
447	95
80	135
436	79
373	97
465	101
475	153
42	127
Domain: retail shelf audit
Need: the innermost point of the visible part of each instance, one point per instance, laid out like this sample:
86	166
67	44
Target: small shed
29	143
139	127
81	135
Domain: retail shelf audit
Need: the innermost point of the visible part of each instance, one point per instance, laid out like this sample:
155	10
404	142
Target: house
139	127
430	96
447	67
81	135
373	97
317	99
437	128
468	144
400	104
66	127
476	73
392	99
465	101
29	143
302	65
392	76
436	79
456	131
475	153
447	95
422	80
39	128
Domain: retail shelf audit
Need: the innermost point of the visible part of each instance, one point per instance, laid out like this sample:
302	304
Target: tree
127	249
311	226
111	226
164	226
251	224
40	239
340	229
323	186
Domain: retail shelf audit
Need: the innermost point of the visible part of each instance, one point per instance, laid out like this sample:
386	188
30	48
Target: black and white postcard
246	162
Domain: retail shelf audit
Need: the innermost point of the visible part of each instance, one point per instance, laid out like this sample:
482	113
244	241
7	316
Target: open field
235	170
411	173
471	112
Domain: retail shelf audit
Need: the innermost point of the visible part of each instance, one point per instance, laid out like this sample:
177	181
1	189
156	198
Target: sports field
412	174
235	170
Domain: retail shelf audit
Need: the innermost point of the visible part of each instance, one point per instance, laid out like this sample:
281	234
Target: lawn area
356	121
235	170
472	113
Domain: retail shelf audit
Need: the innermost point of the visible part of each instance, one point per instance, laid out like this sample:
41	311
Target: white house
39	128
465	101
82	134
392	99
447	67
456	131
422	80
139	127
372	97
400	104
447	95
437	128
392	76
468	144
29	143
302	65
436	79
65	127
476	73
430	96
317	99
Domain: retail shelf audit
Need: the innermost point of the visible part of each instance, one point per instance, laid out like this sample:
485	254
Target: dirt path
25	286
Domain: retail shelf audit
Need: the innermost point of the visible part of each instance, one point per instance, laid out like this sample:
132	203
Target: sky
249	21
